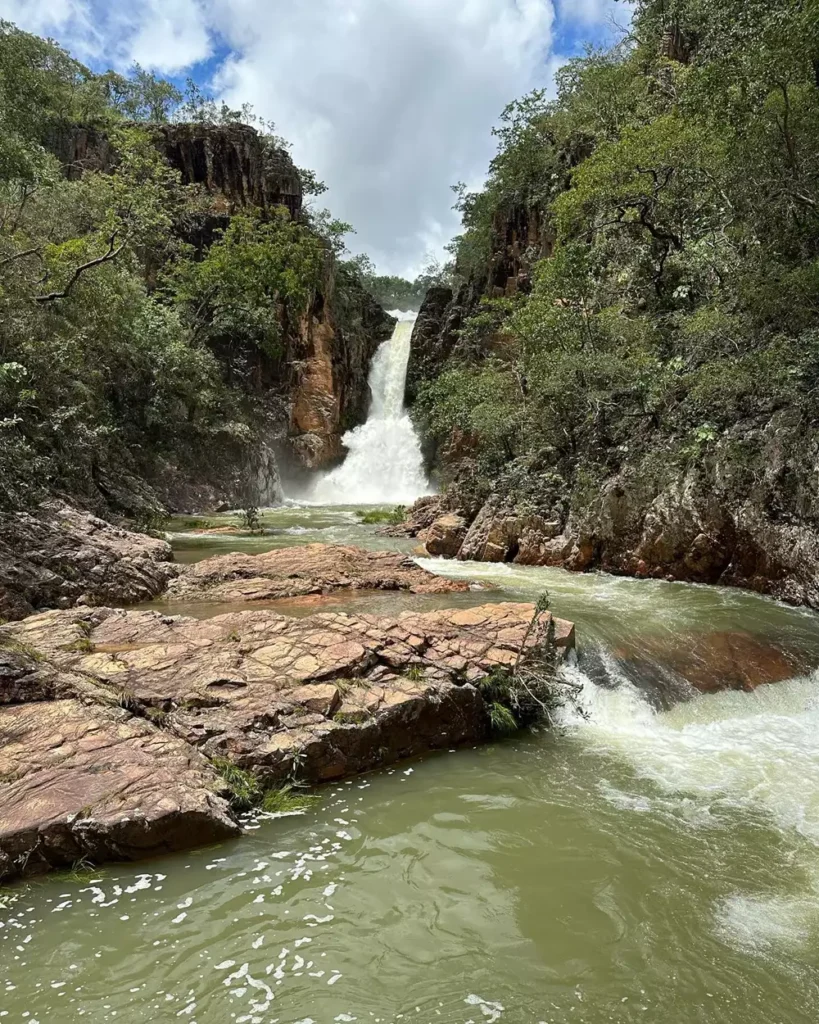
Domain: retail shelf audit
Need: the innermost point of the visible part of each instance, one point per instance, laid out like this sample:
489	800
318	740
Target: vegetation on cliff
647	245
143	316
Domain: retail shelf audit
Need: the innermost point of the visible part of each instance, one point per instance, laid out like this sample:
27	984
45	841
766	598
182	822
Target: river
656	860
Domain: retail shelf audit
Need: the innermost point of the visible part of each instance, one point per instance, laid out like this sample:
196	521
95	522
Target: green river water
655	861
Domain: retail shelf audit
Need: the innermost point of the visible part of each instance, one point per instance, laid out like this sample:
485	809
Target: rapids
655	860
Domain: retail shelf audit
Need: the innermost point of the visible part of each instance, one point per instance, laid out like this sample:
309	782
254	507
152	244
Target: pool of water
650	861
284	527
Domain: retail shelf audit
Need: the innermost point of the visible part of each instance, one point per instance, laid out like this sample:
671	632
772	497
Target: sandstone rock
445	536
724	660
299	571
499	534
322	697
330	363
419	517
81	782
59	556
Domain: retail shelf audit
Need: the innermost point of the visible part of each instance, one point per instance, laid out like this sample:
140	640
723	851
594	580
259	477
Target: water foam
384	464
751	752
755	751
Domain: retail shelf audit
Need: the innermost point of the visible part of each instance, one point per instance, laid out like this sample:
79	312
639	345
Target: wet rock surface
301	571
59	556
110	731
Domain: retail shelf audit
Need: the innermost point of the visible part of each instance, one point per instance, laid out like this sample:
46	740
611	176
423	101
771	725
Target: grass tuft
502	720
244	791
379	516
287	800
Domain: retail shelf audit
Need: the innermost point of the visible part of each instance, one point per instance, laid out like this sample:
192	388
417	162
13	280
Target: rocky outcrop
113	759
329	360
316	389
433	338
58	556
89	783
695	529
300	571
234	162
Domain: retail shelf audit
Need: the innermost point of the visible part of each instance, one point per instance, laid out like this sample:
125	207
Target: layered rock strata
301	571
58	556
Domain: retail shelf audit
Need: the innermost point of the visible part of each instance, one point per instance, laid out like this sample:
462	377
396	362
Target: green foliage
235	295
244	791
250	520
287	800
397	293
673	187
392	516
502	720
351	717
127	356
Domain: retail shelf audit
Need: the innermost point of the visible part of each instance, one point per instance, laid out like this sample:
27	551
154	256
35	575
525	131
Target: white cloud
167	35
390	101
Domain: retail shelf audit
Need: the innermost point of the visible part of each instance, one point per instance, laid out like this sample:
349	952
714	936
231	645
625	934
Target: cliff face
711	523
231	161
329	359
318	388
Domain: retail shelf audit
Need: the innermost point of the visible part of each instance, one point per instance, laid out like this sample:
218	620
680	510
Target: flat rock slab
89	782
317	699
301	571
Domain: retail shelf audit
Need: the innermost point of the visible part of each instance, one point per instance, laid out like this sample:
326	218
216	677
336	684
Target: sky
389	101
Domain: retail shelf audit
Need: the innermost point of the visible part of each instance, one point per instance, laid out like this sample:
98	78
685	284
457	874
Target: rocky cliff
316	388
232	162
750	521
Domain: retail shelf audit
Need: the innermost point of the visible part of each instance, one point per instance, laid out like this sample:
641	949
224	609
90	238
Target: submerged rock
107	751
59	556
299	571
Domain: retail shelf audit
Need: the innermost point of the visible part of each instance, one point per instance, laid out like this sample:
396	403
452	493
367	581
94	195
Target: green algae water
656	859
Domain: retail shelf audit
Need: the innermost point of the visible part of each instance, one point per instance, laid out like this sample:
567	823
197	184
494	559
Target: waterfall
384	464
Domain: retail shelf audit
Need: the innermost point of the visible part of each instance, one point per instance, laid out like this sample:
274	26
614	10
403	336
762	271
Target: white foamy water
753	753
384	464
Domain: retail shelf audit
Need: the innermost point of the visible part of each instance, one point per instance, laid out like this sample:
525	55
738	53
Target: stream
655	859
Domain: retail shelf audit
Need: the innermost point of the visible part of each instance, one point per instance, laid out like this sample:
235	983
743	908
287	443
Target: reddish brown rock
319	698
444	537
301	571
87	782
59	557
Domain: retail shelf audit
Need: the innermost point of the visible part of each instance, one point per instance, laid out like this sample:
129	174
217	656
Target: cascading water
384	464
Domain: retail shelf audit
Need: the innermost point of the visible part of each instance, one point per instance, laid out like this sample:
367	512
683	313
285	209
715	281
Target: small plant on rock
529	692
244	792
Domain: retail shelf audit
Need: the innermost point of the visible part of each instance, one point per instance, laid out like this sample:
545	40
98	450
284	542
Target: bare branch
35	251
79	271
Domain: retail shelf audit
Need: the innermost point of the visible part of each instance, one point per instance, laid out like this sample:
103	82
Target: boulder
303	570
109	755
445	536
724	660
59	556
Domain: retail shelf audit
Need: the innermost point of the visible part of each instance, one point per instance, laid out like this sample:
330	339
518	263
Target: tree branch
79	271
35	251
